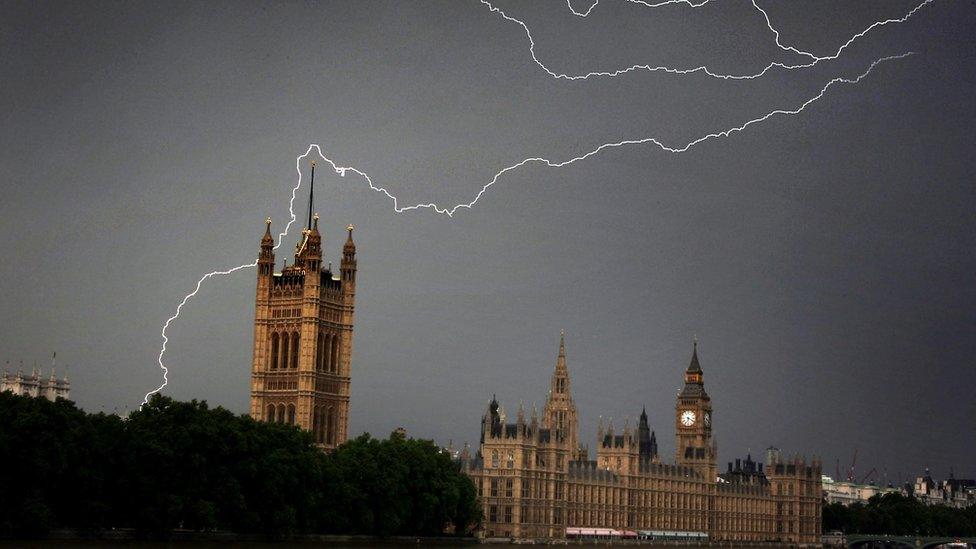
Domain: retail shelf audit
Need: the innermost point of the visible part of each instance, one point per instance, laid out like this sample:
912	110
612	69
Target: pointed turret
560	410
694	367
266	258
694	376
491	422
646	444
348	264
559	387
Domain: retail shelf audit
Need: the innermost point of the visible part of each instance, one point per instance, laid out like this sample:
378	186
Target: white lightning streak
189	296
586	13
341	170
814	59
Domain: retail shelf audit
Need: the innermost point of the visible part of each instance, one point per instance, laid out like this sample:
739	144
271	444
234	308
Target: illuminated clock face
687	418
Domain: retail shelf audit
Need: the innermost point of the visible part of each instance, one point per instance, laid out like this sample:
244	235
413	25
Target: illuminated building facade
535	481
303	326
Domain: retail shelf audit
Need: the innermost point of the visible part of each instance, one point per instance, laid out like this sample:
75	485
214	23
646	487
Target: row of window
540	459
504	514
286	348
280	414
538	488
285	313
325	420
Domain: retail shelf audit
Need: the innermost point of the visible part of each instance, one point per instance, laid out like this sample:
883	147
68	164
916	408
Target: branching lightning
813	59
586	13
657	142
341	170
204	278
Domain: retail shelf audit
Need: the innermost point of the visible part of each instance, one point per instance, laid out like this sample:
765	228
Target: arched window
316	423
271	413
274	350
319	353
291	414
324	421
295	339
330	426
327	353
494	458
335	354
283	363
281	413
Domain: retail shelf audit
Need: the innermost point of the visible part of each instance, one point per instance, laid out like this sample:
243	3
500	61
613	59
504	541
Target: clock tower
693	423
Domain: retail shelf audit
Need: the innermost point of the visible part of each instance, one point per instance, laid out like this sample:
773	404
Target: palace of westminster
535	480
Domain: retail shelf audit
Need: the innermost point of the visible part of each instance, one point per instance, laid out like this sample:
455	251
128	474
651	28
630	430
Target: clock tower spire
693	422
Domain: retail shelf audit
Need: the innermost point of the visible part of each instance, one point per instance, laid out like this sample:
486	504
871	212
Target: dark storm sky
825	261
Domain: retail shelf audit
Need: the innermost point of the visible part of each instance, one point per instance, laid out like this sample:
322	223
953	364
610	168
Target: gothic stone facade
535	481
35	385
303	324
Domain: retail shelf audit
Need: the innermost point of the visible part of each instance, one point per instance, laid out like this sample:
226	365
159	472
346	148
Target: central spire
561	360
560	375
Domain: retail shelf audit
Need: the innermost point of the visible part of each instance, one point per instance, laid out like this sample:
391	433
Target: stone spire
347	266
694	377
266	258
695	366
560	411
560	375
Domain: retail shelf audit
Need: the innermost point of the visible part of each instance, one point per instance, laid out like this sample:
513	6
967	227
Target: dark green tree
182	465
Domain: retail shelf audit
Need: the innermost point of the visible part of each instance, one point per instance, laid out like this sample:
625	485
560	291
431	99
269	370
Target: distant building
35	385
846	493
953	492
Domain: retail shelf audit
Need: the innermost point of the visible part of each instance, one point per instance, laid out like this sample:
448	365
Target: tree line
182	465
898	515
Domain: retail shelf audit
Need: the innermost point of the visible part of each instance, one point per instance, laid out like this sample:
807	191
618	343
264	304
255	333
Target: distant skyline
824	260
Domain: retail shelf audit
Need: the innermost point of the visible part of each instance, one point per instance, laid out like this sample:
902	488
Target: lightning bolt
814	59
675	149
449	211
586	13
204	278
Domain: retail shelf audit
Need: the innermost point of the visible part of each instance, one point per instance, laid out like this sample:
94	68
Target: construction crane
866	477
850	472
